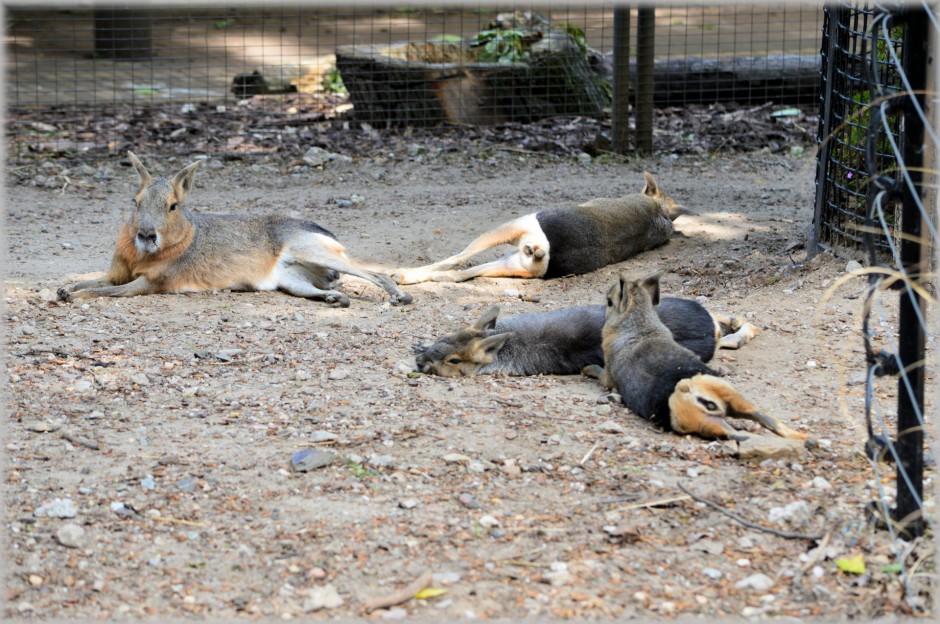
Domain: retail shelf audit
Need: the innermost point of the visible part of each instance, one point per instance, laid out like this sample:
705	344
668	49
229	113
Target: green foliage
333	81
221	24
445	38
578	36
501	46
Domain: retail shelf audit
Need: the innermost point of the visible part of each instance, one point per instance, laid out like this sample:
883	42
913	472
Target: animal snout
147	237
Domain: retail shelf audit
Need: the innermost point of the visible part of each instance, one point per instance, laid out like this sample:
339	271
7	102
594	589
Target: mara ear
487	348
684	386
674	211
182	180
487	320
651	285
651	189
142	172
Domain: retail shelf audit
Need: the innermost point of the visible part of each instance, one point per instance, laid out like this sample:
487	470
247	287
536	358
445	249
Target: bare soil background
170	421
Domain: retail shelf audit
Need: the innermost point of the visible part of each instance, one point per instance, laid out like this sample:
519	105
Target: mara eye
711	406
610	302
173	207
454	360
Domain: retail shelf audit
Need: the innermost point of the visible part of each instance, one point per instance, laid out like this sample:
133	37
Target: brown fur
661	380
163	248
566	241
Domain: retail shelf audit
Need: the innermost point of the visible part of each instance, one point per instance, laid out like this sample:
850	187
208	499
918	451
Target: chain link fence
400	66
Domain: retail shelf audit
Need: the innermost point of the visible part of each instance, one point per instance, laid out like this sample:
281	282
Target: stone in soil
58	508
70	535
325	597
757	582
759	448
310	459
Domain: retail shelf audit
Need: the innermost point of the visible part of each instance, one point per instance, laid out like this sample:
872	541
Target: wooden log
782	78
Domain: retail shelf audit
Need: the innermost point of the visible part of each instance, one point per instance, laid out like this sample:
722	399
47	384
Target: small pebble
310	459
57	508
611	427
338	373
488	521
467	500
408	503
757	582
70	535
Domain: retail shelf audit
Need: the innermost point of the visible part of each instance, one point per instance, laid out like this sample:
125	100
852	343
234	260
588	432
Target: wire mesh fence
401	66
874	198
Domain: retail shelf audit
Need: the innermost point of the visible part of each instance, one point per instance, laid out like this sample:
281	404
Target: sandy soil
179	465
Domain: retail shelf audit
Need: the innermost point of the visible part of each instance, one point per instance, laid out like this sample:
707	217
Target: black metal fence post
910	442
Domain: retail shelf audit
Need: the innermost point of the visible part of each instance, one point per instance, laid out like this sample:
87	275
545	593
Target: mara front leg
103	288
508	233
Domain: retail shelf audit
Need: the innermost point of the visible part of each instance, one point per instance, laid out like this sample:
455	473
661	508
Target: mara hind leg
317	250
515	264
298	281
513	232
733	332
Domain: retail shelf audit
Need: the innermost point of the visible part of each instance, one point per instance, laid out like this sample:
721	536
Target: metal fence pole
833	18
620	111
910	469
645	54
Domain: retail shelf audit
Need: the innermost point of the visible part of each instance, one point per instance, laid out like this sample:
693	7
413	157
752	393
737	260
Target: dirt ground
170	421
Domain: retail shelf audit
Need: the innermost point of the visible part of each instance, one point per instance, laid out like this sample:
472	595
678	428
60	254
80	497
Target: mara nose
147	236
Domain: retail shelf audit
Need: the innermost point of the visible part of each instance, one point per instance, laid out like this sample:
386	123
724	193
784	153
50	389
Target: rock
820	483
310	459
757	582
57	508
35	580
611	427
122	509
456	458
70	535
82	385
488	522
317	157
447	578
47	295
467	500
322	436
26	330
853	266
559	574
584	158
408	503
759	448
324	597
478	467
338	373
148	483
511	292
395	614
42	426
186	485
141	380
383	461
796	513
712	573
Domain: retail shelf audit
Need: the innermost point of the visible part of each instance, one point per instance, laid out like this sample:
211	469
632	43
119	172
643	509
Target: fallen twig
662	502
587	455
813	560
402	595
175	521
749	523
74	439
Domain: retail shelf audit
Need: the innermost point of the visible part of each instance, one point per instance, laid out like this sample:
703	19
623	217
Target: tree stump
429	84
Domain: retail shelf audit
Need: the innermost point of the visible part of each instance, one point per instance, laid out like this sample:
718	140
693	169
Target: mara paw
63	295
401	299
337	300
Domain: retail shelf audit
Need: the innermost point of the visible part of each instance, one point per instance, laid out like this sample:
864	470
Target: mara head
464	352
157	218
668	204
626	295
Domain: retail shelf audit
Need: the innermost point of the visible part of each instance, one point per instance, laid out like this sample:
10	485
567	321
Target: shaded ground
523	496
